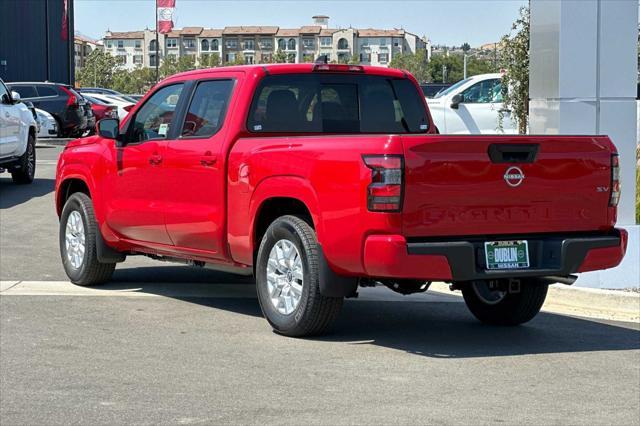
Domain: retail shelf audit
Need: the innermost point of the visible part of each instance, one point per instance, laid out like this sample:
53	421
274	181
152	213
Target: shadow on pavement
433	329
13	195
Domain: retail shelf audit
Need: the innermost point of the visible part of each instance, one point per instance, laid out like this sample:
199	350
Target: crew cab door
10	124
478	111
135	192
195	168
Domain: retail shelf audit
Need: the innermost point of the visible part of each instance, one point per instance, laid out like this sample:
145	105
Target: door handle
208	162
155	159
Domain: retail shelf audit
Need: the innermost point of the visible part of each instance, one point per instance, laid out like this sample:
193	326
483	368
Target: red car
100	108
317	178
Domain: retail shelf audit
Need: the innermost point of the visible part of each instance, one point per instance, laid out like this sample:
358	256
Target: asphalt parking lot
171	344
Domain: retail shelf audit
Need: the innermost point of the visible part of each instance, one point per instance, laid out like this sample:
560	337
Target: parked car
48	124
319	177
431	89
113	100
91	120
471	106
18	131
135	97
59	100
110	92
101	109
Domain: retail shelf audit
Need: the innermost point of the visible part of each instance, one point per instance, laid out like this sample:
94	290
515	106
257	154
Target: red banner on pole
64	32
165	15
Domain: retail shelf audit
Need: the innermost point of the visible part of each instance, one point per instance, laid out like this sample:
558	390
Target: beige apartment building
259	44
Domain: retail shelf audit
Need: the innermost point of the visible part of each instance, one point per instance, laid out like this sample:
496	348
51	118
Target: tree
209	60
98	71
136	81
453	68
279	57
355	60
465	47
172	65
514	60
415	63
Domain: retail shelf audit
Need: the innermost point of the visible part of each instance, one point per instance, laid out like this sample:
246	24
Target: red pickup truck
317	178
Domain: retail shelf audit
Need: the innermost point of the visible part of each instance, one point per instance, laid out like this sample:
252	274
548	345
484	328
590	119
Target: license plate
506	254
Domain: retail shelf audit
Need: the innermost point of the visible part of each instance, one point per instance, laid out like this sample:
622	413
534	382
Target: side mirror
457	100
15	96
109	128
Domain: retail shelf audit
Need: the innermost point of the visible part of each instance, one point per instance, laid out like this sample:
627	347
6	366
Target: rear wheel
493	302
78	230
26	171
288	282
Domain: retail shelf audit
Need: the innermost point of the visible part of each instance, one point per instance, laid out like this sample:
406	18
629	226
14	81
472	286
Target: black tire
314	313
512	309
91	271
26	171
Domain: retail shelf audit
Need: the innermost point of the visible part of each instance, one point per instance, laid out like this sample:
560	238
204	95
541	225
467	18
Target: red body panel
185	207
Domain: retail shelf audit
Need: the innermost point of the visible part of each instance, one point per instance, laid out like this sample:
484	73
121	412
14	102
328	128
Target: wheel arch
69	186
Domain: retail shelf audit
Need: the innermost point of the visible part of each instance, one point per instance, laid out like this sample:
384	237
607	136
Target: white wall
583	76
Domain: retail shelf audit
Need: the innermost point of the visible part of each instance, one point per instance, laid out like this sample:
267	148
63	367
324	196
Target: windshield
451	89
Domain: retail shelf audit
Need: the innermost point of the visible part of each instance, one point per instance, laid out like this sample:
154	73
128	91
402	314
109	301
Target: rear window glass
337	103
25	91
47	91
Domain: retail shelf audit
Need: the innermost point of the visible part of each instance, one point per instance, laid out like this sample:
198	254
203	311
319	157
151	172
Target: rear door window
46	90
207	109
337	103
25	91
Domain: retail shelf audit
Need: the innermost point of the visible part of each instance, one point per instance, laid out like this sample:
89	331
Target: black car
432	89
66	105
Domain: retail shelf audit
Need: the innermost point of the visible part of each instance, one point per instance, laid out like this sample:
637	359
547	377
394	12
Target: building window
214	45
137	59
204	45
308	43
138	44
365	57
248	59
282	44
343	44
365	42
230	57
120	44
248	45
121	59
172	42
267	58
231	43
152	60
396	43
109	44
152	46
326	41
291	44
189	43
383	42
383	58
266	43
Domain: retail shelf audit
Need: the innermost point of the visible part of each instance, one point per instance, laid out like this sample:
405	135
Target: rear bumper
391	256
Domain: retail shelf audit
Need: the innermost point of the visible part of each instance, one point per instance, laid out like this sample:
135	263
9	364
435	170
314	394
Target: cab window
207	109
484	92
153	120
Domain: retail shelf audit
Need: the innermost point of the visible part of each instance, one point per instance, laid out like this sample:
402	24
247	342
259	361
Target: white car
18	131
471	106
114	100
48	124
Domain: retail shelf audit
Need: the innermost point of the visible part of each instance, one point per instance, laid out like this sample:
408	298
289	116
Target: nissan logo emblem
513	176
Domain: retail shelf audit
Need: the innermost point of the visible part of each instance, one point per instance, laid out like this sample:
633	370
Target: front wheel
78	230
288	282
26	171
493	302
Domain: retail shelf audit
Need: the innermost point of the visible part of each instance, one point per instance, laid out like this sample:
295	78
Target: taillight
73	99
338	68
615	181
384	194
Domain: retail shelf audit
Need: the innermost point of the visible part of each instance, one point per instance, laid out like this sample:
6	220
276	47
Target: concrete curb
584	302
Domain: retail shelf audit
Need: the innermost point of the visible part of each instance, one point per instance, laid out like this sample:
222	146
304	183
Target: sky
450	22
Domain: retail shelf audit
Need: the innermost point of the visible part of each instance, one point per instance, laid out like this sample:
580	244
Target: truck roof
290	69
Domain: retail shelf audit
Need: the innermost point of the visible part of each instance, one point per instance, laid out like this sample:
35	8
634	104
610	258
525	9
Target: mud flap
105	253
332	284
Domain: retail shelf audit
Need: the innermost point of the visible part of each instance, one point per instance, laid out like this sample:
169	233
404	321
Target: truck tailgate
491	185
